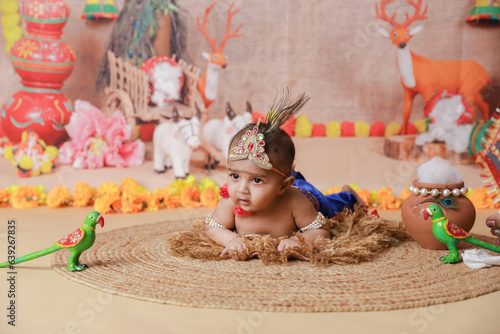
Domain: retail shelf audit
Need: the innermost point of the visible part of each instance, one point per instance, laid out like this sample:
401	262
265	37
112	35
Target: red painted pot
43	62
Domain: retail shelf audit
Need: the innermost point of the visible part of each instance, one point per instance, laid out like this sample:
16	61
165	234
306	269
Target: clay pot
457	209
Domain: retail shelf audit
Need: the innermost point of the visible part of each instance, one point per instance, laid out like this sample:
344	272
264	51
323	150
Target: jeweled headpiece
251	145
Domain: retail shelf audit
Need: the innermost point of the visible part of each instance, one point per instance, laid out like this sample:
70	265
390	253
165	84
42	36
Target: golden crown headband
251	145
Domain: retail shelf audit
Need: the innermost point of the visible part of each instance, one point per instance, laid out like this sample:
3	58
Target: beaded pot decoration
435	192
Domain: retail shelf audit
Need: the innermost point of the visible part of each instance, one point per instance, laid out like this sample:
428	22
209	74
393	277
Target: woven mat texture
134	262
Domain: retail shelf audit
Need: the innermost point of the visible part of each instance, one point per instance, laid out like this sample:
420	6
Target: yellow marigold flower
4	198
303	127
190	197
421	125
176	187
361	129
83	194
24	197
129	184
107	198
332	129
392	129
332	190
58	197
152	202
209	197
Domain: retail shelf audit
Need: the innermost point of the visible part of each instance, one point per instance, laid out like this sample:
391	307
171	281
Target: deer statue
420	75
207	84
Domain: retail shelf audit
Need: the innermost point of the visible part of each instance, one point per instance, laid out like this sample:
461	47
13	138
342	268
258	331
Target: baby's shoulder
296	197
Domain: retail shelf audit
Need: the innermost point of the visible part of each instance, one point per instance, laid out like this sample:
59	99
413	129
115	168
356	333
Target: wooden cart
129	91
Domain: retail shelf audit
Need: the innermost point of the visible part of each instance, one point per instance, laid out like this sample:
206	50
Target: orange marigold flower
107	198
209	197
58	197
133	201
190	196
24	197
83	194
481	199
129	184
387	200
167	200
405	194
4	198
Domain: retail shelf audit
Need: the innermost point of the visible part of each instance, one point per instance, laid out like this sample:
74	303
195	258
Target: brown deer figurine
420	75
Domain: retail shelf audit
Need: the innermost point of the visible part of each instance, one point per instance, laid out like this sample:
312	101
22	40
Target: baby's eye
257	181
235	176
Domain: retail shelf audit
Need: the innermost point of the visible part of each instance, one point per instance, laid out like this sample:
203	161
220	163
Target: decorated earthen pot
457	208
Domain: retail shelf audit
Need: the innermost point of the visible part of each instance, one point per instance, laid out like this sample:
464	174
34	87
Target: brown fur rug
355	237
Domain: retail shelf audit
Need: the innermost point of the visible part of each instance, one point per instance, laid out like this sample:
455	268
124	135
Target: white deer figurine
219	132
173	143
420	75
207	84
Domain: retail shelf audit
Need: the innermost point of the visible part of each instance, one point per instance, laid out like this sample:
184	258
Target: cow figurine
173	143
220	132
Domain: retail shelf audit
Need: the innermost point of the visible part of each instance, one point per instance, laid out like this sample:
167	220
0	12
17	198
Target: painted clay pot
456	207
44	62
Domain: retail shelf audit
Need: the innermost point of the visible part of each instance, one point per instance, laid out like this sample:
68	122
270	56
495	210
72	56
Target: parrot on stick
77	242
451	234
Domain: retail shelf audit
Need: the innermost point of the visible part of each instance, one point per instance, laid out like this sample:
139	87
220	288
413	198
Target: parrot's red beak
101	221
426	214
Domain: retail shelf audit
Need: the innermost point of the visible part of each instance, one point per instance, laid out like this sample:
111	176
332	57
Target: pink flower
98	141
240	212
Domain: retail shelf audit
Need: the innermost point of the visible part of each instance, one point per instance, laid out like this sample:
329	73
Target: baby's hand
236	244
288	243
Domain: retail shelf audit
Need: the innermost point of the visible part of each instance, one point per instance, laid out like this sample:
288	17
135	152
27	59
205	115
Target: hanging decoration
133	34
99	9
484	12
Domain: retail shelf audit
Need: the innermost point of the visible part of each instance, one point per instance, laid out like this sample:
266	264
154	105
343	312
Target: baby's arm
219	226
305	216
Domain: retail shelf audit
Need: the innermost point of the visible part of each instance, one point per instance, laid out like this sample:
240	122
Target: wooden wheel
117	99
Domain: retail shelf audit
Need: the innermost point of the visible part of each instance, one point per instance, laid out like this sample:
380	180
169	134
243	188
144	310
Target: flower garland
302	127
11	22
130	197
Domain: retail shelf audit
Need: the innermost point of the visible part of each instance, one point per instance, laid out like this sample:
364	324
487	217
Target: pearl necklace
435	193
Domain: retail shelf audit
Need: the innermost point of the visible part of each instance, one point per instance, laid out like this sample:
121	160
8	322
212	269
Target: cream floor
48	303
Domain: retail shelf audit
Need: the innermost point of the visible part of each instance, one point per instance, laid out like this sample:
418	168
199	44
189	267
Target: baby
263	197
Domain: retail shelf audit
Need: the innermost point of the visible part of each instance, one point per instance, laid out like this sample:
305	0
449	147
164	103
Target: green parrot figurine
451	234
77	242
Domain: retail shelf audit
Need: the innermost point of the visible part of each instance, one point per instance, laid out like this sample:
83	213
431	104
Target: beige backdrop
329	49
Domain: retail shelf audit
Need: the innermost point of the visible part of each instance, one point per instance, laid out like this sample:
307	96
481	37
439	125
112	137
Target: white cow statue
220	132
173	143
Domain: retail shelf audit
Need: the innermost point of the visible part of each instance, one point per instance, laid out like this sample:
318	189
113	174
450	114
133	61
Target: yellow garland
11	22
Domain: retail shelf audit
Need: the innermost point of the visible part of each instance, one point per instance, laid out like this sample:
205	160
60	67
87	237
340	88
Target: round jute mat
134	262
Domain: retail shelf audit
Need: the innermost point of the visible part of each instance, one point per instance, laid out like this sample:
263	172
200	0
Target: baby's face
251	187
